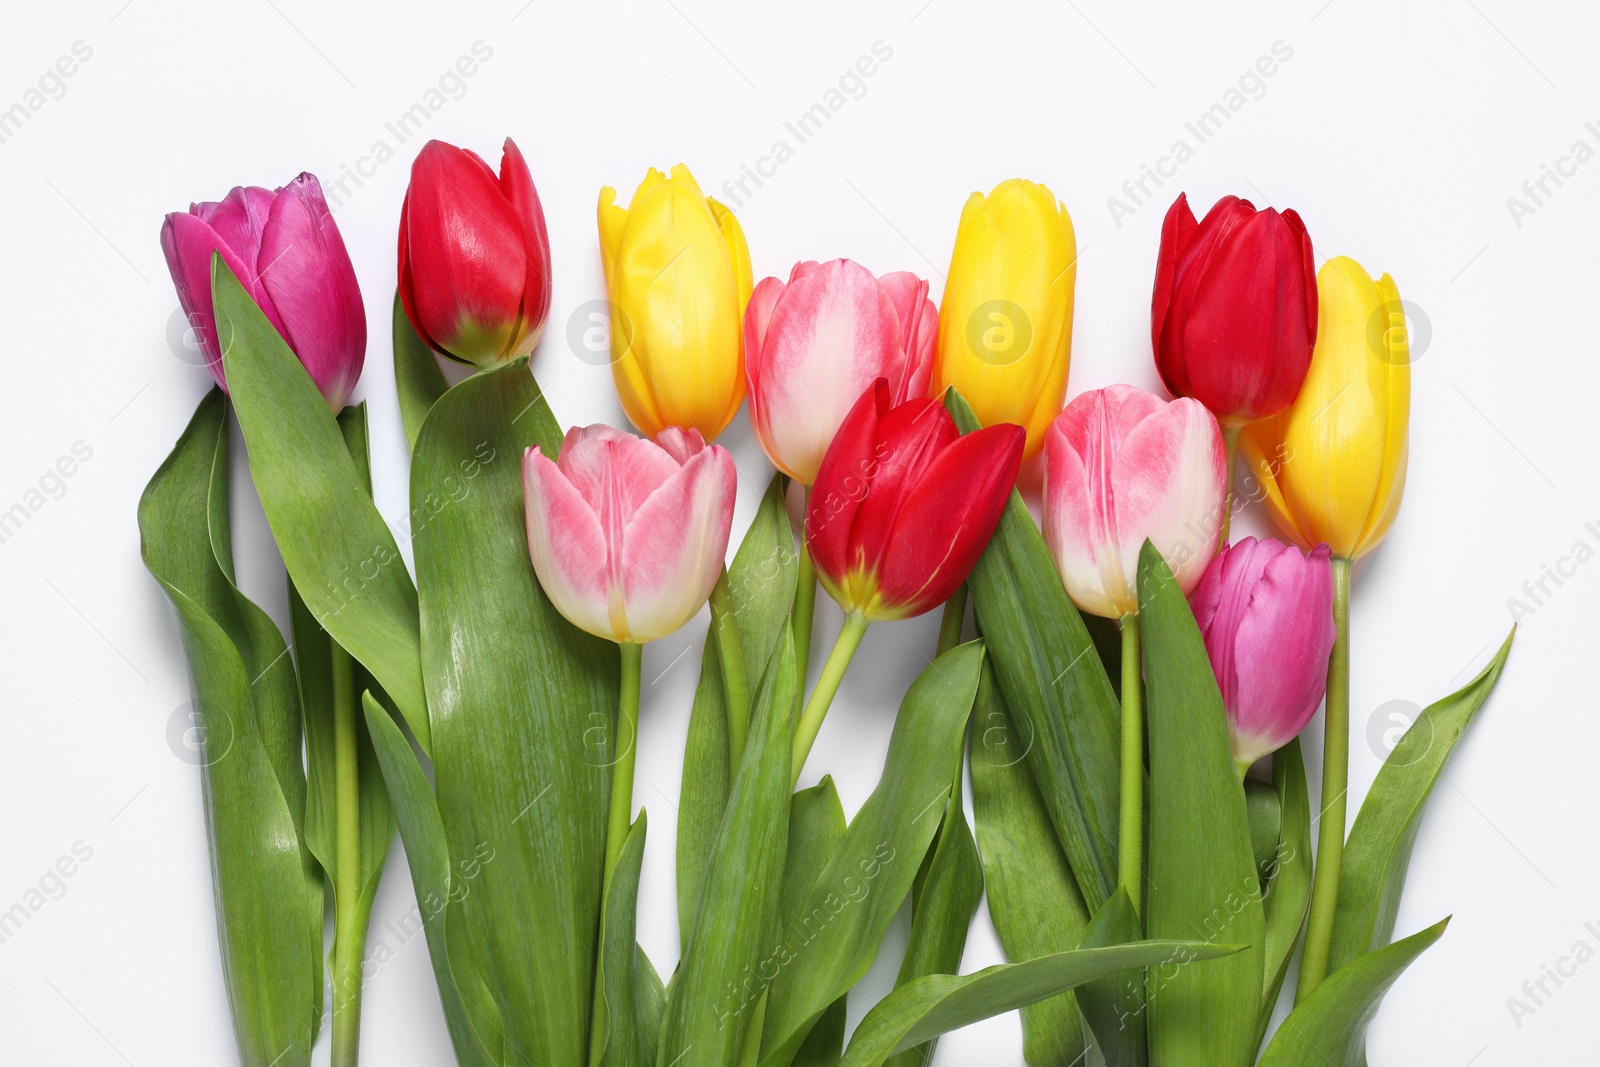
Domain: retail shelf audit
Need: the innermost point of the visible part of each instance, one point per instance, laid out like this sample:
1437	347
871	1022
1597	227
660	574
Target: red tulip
904	505
285	250
1234	314
474	256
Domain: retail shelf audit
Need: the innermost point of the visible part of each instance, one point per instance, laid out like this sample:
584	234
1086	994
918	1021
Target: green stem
1335	782
955	614
1130	853
805	605
1230	445
805	733
350	917
622	766
730	656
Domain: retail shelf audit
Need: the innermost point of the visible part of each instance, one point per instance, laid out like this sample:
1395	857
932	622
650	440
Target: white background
1398	131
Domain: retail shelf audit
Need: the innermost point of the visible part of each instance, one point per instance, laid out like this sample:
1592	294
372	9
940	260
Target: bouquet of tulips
1128	708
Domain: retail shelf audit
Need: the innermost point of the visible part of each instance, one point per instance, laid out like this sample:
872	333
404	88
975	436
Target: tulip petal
567	546
517	185
946	521
1169	479
909	437
846	474
757	314
188	242
307	271
1177	230
239	219
919	331
1281	647
615	472
674	546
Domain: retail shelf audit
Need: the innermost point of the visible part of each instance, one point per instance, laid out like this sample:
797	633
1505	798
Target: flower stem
805	611
730	656
622	766
1130	852
350	917
955	614
1335	780
1230	445
805	732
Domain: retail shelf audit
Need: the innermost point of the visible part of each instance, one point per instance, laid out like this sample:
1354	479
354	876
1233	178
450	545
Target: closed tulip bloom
1234	314
627	535
1005	326
1122	466
904	505
1333	465
1265	610
678	275
812	346
285	250
474	256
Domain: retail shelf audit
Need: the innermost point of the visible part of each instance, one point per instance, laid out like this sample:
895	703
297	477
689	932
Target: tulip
814	345
902	508
1333	467
627	538
1123	467
678	276
1005	326
1265	610
474	256
285	250
1234	314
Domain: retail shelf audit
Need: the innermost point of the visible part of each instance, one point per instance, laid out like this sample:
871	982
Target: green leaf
816	829
1033	901
1202	873
516	693
312	650
417	377
940	1003
761	584
469	1009
337	548
1264	815
943	901
721	977
832	942
1289	890
1114	1005
268	891
1055	688
1330	1026
1379	849
649	1005
619	1042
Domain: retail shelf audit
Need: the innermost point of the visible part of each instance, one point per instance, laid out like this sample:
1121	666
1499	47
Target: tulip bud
1266	613
285	250
1333	465
1123	466
1005	326
628	536
678	276
904	505
1234	314
812	346
474	256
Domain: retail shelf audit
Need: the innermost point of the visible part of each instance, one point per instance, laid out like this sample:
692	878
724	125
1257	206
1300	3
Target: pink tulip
628	535
1266	611
813	346
1121	466
285	250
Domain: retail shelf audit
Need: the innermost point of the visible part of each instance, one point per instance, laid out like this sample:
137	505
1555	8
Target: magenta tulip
285	250
814	345
1266	611
628	535
1121	466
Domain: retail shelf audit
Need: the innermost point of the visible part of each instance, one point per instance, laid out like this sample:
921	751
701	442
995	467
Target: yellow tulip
1333	465
1005	326
678	278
